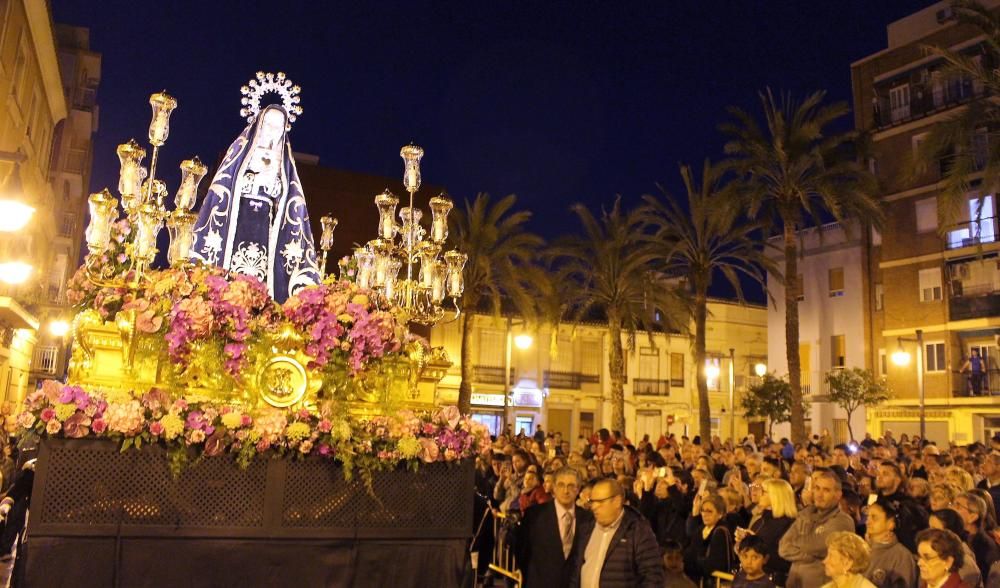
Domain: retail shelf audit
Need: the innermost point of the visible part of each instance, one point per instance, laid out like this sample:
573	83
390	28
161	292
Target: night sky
556	102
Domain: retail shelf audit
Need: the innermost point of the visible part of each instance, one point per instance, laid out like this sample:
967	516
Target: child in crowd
673	563
753	556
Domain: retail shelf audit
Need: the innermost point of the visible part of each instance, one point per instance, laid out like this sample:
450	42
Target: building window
979	226
805	367
883	363
930	284
927	215
836	277
838	352
677	370
879	297
491	348
934	354
899	102
590	357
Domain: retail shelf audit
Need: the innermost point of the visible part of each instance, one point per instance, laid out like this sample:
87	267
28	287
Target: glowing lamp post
901	358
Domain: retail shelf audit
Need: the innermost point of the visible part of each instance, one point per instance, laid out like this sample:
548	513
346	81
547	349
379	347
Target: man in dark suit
991	478
546	535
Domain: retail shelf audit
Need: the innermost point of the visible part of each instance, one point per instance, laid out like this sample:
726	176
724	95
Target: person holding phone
710	548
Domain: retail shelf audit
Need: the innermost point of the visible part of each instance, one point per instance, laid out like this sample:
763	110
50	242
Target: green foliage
853	388
771	399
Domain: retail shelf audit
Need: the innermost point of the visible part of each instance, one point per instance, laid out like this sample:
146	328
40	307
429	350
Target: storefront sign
482	399
531	398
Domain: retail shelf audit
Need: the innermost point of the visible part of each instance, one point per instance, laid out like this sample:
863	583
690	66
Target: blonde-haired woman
774	514
960	478
847	558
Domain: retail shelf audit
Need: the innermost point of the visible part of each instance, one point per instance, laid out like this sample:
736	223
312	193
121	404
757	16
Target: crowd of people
678	512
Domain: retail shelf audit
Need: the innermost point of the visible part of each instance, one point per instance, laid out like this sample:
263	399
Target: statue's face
267	148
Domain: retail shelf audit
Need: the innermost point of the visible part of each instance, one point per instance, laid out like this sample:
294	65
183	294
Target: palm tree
500	267
608	270
967	138
701	241
795	172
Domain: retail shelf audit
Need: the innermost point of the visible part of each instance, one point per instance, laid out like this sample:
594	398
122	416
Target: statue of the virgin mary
254	219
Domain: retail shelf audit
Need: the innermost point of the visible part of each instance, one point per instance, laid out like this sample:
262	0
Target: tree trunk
616	367
704	408
850	429
465	388
792	288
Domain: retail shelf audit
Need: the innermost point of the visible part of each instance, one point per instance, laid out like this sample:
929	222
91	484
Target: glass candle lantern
391	283
102	214
428	256
440	207
326	237
440	272
180	225
158	194
192	172
456	277
411	155
386	204
149	221
159	127
410	232
130	177
366	266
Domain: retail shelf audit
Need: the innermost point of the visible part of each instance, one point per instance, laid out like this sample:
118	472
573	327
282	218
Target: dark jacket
986	551
538	544
771	530
912	518
633	557
703	557
667	516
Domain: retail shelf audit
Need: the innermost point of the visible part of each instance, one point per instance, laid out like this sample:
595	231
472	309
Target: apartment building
833	329
31	105
69	176
560	381
941	280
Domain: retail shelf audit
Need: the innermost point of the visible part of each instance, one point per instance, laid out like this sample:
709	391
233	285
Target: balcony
963	386
46	359
486	374
971	305
650	387
568	380
921	98
972	233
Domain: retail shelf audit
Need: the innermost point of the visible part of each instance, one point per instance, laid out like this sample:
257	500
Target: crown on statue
266	83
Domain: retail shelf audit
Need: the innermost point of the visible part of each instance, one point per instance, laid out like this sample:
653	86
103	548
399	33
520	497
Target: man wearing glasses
546	535
619	549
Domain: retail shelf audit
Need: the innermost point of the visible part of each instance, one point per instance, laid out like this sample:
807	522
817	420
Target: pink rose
324	449
263	445
324	426
156	428
48	414
99	426
247	420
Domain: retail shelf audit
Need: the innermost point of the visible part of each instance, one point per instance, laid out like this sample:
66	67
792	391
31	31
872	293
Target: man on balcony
974	366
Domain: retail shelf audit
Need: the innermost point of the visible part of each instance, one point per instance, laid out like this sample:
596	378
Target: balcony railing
568	380
925	99
991	384
970	233
487	374
46	359
651	387
969	306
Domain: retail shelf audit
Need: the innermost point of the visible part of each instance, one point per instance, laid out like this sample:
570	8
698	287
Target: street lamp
760	368
58	328
711	369
522	341
901	358
14	272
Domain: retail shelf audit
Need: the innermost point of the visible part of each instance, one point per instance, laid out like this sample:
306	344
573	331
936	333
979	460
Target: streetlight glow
760	369
524	341
58	328
14	215
711	370
901	357
14	272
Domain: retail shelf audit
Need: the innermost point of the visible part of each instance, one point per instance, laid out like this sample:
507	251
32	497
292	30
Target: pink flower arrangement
378	442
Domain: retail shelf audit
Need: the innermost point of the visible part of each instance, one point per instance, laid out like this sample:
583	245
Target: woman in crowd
972	509
710	548
847	557
892	564
777	511
939	557
949	520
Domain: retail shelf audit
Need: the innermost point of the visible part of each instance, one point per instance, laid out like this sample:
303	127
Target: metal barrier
504	562
722	579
